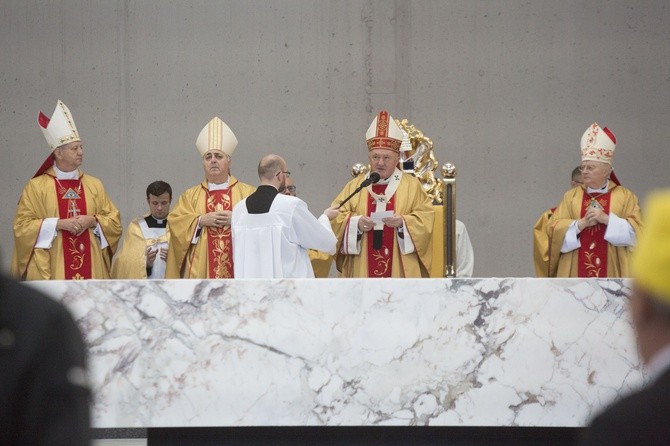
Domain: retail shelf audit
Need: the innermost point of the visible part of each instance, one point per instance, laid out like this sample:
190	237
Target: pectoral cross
72	209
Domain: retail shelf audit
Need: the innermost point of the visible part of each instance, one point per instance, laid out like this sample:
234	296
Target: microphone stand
374	177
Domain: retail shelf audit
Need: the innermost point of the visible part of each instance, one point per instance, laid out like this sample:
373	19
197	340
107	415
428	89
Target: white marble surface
456	352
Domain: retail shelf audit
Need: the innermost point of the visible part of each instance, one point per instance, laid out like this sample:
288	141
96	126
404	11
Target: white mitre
598	144
216	135
60	128
384	133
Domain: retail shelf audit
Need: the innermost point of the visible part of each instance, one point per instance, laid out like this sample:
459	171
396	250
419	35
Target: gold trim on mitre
384	133
216	135
598	144
60	128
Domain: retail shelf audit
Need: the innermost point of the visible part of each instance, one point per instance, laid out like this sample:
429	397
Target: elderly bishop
66	227
386	229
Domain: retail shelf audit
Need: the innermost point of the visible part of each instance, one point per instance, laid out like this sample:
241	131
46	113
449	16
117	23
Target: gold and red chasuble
219	240
76	249
592	257
380	261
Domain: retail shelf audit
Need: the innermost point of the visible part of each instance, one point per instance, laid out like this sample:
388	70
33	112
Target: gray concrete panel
504	89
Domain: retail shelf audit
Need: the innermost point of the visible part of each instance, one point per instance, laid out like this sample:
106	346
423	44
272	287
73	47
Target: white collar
214	186
601	190
66	175
392	183
659	363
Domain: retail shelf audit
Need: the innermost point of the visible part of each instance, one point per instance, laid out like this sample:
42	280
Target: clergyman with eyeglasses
386	229
594	229
321	260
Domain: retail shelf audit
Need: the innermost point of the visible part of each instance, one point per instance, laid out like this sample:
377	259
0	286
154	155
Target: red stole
592	255
219	240
380	262
76	249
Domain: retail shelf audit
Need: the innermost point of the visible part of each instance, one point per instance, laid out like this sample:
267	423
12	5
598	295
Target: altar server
272	232
66	226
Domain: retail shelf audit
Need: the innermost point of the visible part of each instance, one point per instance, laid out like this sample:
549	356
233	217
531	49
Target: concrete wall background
504	89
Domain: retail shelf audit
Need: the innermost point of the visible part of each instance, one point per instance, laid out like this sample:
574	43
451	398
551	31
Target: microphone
373	178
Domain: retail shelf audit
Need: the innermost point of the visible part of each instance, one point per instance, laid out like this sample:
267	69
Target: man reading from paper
145	244
384	230
66	226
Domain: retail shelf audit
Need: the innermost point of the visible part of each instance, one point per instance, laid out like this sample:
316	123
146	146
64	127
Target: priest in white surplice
272	232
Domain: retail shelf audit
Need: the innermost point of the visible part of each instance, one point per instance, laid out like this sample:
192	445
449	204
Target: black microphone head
374	177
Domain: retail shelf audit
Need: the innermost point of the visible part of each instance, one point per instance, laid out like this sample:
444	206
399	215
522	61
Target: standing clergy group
67	227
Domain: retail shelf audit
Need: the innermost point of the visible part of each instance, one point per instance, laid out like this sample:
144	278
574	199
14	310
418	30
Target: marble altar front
347	352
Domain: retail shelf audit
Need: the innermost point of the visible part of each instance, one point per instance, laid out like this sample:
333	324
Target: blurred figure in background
540	237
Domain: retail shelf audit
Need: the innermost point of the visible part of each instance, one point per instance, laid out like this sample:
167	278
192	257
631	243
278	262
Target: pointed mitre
598	144
216	135
384	133
60	128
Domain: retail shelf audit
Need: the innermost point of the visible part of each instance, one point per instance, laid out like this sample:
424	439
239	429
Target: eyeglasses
287	173
290	188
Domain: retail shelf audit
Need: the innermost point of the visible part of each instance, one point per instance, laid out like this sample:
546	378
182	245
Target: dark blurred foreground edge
363	435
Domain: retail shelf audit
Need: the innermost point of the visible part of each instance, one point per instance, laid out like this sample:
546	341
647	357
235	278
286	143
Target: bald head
269	166
272	170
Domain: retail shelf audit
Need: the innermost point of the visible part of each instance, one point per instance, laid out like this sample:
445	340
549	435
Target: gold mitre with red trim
60	128
598	144
216	135
384	133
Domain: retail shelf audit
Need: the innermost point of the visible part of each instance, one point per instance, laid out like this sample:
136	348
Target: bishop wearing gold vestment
201	244
66	226
385	230
593	231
